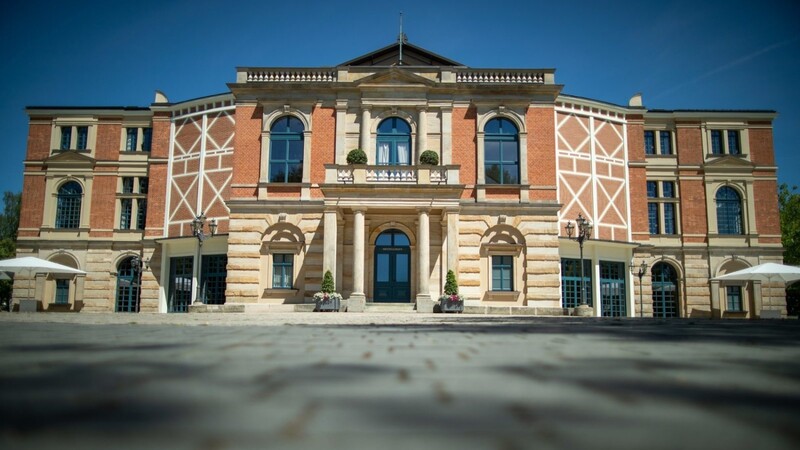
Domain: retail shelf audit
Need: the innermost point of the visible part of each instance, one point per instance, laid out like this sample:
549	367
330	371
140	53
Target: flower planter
447	304
329	304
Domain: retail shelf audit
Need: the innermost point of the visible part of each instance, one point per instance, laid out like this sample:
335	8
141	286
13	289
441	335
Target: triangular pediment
411	56
394	76
69	158
728	162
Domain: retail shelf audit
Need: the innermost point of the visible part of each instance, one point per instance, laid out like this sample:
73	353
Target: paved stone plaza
395	381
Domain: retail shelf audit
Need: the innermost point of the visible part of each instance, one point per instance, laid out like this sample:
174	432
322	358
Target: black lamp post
197	231
584	232
639	271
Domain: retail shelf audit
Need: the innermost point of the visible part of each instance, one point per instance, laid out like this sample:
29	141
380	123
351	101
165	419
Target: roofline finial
401	38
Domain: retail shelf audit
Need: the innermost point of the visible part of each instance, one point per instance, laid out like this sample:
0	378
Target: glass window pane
669	218
295	173
295	150
492	174
384	239
401	240
277	173
66	137
666	142
295	125
509	151
382	269
652	213
649	143
491	151
652	189
733	142
668	189
493	126
83	134
716	142
510	174
401	267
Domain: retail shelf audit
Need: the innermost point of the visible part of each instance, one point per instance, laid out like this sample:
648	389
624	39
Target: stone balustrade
504	76
395	174
290	75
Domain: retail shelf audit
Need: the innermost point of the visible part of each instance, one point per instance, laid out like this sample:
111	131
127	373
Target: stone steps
390	307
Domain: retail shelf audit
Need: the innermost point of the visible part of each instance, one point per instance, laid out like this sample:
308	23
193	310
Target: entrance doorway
392	268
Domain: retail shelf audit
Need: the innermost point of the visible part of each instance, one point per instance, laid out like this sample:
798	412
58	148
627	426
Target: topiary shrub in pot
327	299
356	156
451	301
429	158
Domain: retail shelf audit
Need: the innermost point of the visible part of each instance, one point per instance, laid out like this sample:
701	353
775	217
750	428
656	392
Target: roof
411	56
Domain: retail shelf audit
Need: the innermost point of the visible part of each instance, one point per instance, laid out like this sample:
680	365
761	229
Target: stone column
716	310
357	299
329	242
424	301
422	132
452	241
365	120
341	132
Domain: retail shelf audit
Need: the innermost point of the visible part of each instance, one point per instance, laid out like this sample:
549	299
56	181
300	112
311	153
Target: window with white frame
137	139
73	137
132	200
658	142
725	142
662	207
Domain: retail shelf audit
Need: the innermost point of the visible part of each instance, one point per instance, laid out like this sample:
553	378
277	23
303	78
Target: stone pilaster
329	242
365	133
357	299
424	301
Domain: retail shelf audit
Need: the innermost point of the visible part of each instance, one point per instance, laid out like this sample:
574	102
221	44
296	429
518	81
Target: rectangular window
144	183
66	137
716	142
180	283
126	205
147	139
649	142
668	189
130	139
83	137
733	143
502	273
127	185
282	270
62	292
214	279
571	292
613	294
669	218
666	142
734	294
652	214
652	189
141	213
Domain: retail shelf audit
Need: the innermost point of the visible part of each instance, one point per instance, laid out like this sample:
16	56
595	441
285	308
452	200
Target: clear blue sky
678	54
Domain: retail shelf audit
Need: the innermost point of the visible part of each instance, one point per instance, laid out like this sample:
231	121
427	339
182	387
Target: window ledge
670	156
280	293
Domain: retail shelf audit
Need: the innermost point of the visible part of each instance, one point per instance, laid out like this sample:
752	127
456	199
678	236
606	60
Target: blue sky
679	55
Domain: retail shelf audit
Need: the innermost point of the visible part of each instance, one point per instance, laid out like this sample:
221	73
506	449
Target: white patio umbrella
764	272
32	264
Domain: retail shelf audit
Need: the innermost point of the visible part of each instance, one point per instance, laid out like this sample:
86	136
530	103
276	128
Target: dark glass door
180	284
392	268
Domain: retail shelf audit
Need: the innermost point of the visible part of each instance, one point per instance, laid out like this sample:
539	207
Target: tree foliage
789	204
328	285
9	223
451	285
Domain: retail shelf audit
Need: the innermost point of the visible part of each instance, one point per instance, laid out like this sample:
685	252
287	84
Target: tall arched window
665	290
501	152
394	142
286	150
729	211
68	209
128	281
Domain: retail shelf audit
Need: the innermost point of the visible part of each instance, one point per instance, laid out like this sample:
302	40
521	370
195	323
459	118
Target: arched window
394	142
501	152
665	290
729	211
128	281
68	209
286	150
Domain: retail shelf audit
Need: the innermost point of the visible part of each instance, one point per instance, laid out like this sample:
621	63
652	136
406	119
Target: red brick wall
693	207
323	142
108	139
465	147
103	218
39	141
637	180
247	157
32	208
767	215
541	150
689	144
761	151
157	173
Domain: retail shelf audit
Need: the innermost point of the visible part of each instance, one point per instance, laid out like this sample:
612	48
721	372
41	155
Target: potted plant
451	301
327	299
356	156
429	158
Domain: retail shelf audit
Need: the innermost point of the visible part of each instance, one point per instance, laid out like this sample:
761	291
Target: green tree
451	285
789	204
9	223
327	283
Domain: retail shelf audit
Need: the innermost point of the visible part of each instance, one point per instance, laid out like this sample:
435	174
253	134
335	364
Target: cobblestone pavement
395	381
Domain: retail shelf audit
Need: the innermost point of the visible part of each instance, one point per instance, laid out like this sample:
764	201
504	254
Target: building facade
115	192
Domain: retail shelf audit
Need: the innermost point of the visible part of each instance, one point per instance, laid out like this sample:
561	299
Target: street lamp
639	271
197	230
584	232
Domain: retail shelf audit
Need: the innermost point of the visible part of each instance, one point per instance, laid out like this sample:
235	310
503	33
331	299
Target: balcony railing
394	174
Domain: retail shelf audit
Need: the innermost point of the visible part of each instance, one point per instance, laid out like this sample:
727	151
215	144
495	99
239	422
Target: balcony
391	174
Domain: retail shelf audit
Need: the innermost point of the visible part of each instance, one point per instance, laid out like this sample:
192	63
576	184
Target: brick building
115	192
